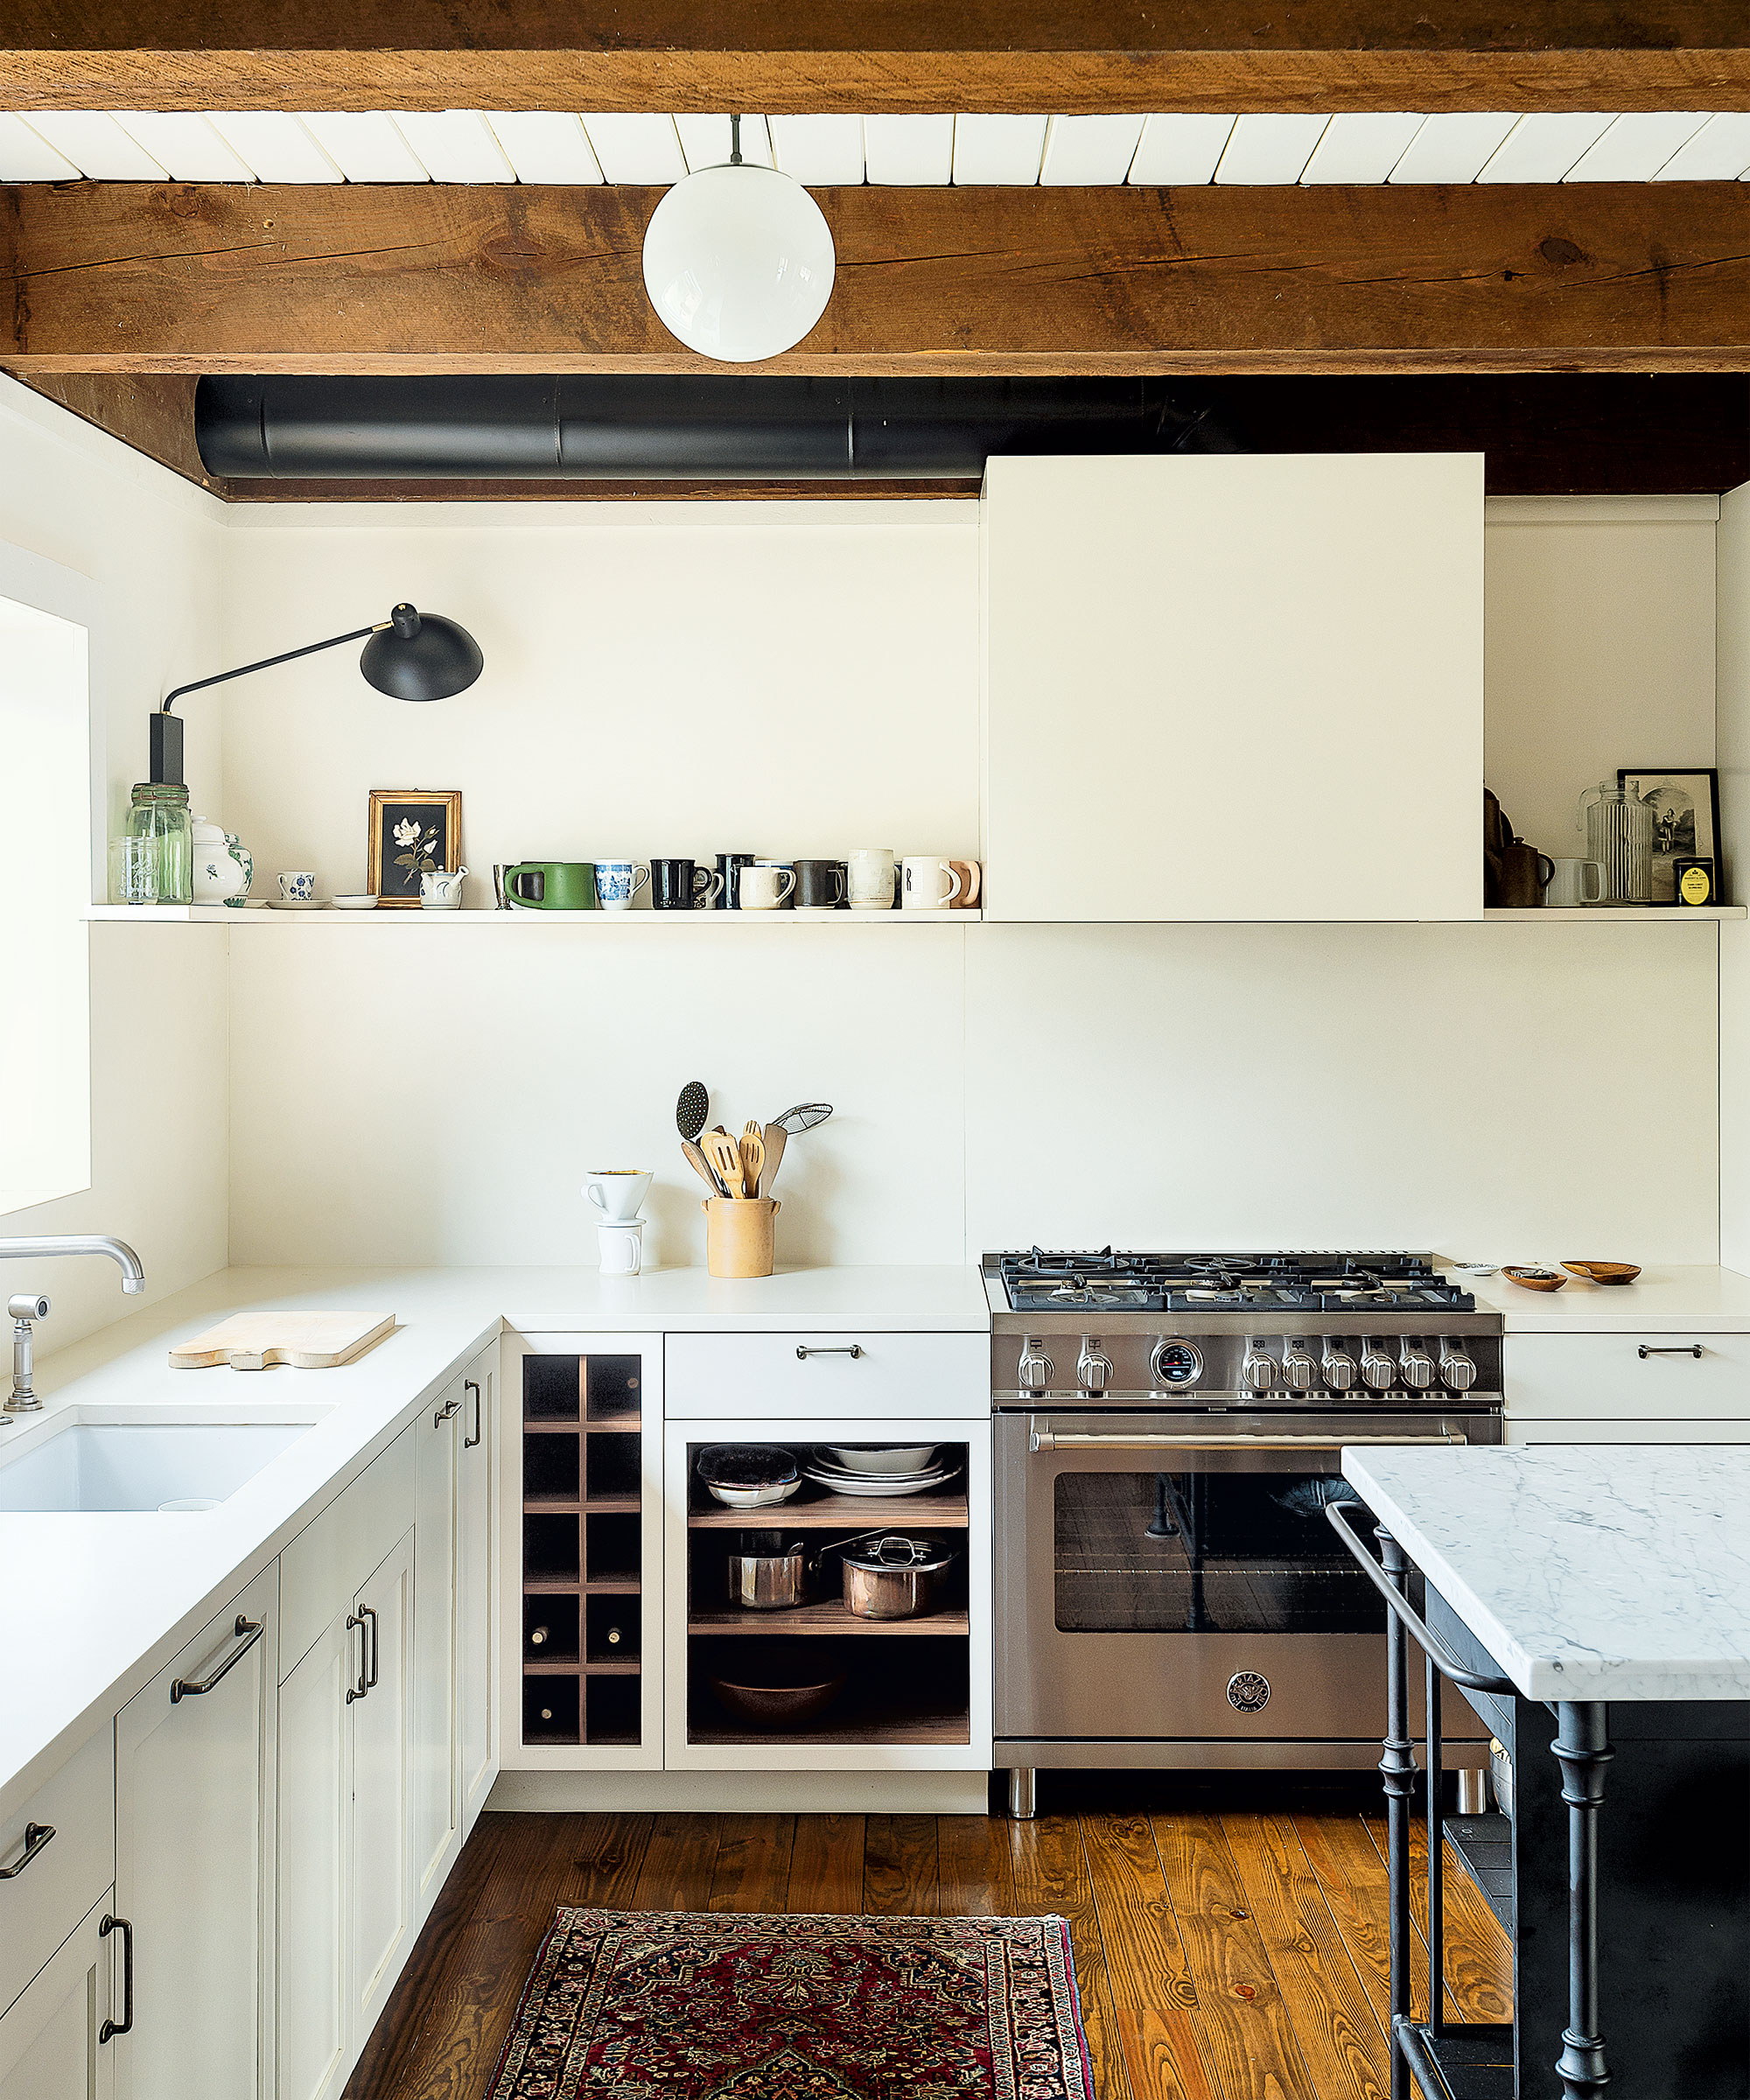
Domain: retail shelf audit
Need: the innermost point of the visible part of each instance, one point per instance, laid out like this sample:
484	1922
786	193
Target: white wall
803	677
147	547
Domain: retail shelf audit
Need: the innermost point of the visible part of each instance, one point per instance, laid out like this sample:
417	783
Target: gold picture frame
394	864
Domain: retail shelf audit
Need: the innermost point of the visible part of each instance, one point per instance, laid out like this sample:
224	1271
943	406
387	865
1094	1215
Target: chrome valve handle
1092	1366
1417	1367
1298	1370
1457	1367
1257	1372
1379	1367
1035	1371
1338	1369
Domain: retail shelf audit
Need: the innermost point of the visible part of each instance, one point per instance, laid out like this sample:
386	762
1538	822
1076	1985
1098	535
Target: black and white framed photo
415	831
1685	803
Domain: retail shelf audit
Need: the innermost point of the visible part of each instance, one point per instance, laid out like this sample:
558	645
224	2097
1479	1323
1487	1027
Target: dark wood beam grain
779	55
139	277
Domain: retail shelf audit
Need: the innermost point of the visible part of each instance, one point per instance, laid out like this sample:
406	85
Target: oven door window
1205	1552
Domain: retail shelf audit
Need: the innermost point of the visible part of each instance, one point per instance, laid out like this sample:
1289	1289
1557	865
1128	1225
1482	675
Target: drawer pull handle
358	1691
249	1631
37	1835
1686	1348
803	1352
111	2028
369	1611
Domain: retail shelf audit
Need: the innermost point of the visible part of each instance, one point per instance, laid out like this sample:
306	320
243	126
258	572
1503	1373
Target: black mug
820	886
681	885
729	867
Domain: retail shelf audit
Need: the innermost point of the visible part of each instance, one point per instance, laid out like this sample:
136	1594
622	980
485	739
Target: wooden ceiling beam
810	55
181	277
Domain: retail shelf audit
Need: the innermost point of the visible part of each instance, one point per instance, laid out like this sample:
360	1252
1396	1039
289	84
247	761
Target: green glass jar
160	813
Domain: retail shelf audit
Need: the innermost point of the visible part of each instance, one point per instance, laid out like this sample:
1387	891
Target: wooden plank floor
1223	1952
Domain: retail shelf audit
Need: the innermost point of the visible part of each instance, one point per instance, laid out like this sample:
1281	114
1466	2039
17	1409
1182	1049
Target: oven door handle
1047	1439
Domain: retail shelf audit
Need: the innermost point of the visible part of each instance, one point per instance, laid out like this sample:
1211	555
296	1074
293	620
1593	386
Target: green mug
551	886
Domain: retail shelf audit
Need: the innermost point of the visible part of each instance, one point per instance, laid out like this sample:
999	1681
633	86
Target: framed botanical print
1686	804
414	832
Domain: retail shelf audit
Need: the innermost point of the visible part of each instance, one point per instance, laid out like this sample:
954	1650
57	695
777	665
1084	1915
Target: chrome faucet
23	1310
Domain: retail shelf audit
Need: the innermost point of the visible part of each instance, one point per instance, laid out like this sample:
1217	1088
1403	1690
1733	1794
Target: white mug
440	890
622	1248
616	1192
618	882
297	886
869	873
1577	882
763	887
929	884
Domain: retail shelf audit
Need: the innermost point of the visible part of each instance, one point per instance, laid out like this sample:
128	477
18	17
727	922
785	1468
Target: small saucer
360	900
297	904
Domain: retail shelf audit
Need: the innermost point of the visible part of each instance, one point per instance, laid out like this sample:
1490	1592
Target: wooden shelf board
551	1586
912	1728
613	1586
828	1617
614	1425
848	1512
558	1666
588	1505
552	1425
614	1669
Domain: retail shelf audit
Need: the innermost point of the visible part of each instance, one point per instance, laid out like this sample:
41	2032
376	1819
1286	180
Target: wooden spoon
752	1159
724	1155
775	1139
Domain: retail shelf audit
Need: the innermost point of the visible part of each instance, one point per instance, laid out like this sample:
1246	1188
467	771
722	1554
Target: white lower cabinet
52	2039
194	1758
476	1588
379	1851
436	1804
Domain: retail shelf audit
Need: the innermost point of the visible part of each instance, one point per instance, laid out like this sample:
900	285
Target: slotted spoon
752	1159
726	1156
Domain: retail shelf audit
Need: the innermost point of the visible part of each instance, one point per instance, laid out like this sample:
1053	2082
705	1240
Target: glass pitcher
1619	830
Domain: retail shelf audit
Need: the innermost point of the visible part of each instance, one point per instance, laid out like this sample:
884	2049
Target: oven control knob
1338	1369
1176	1363
1258	1370
1417	1367
1298	1370
1035	1366
1092	1366
1457	1367
1379	1367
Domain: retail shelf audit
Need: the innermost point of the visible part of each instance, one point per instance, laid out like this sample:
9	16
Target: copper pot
892	1576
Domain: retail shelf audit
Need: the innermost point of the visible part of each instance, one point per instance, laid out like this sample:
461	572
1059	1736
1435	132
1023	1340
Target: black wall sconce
411	656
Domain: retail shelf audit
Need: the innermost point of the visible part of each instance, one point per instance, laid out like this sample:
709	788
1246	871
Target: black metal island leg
1582	1745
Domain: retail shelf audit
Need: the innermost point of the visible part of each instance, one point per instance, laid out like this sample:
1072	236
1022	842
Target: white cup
616	1192
440	890
868	874
928	882
1577	882
763	887
622	1248
297	886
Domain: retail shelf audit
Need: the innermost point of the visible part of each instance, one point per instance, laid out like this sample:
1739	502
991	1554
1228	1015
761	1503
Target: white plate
363	902
876	1480
868	1488
297	904
878	1458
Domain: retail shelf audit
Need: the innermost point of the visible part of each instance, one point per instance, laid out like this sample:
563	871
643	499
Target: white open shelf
1563	915
220	914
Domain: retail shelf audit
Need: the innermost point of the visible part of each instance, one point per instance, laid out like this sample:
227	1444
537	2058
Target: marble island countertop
1617	1571
93	1605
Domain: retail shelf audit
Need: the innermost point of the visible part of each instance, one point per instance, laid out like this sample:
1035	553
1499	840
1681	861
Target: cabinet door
476	1738
1233	687
380	1909
315	1778
193	1795
49	2049
431	1748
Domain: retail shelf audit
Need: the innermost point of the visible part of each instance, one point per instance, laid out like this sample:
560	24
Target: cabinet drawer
324	1565
68	1872
1603	1377
901	1376
1552	1430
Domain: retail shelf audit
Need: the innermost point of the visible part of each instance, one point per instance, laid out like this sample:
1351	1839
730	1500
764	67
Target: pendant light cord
735	141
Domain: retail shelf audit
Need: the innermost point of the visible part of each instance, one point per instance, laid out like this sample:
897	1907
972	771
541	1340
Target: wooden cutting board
309	1341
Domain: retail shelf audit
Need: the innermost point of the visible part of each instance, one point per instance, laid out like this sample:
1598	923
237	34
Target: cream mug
928	882
869	876
616	1192
1576	882
764	888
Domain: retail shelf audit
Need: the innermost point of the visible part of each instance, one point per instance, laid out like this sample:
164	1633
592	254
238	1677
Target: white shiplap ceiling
559	146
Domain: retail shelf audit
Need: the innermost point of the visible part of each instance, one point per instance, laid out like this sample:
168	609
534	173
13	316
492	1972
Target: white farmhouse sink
140	1465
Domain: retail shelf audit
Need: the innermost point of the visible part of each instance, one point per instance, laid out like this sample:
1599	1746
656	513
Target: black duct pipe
625	429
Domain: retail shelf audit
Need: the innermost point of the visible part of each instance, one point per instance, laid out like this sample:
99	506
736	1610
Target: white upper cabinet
1238	687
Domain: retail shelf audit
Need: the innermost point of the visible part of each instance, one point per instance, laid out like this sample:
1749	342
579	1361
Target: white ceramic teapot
223	868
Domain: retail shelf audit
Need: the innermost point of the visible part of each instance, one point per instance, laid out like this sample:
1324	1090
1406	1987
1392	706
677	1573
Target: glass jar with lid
159	815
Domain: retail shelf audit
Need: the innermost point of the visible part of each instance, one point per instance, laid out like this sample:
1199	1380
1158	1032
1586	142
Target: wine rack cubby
582	1548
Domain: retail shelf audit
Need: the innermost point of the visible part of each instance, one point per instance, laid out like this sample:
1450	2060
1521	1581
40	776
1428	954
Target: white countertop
1618	1572
1671	1299
93	1606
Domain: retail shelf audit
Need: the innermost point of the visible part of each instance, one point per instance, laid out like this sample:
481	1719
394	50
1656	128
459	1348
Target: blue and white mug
618	882
297	886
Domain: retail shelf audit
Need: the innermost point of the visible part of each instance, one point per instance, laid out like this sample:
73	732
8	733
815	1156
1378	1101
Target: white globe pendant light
739	260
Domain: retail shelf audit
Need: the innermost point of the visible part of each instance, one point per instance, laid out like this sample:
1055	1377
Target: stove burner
1041	1281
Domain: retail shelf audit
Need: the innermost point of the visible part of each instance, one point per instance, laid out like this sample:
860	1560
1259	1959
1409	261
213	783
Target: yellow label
1695	885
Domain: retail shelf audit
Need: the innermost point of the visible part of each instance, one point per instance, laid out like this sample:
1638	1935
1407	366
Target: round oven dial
1177	1363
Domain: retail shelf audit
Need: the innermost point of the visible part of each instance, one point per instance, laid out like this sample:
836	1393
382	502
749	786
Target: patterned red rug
669	2005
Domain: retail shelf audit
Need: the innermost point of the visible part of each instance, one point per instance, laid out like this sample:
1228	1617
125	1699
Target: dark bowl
747	1466
768	1684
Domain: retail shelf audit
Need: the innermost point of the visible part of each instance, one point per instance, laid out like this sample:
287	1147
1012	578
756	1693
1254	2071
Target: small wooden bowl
1535	1279
1604	1272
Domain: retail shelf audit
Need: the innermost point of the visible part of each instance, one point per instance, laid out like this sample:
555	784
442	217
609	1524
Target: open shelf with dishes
583	1562
826	1619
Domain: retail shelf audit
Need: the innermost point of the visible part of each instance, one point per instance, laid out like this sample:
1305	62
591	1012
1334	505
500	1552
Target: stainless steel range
1168	1430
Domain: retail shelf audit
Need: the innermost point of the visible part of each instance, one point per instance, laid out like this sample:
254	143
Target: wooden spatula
724	1155
775	1140
702	1166
752	1159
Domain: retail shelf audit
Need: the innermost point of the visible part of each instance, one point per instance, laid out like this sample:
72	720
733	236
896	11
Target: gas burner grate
1045	1280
